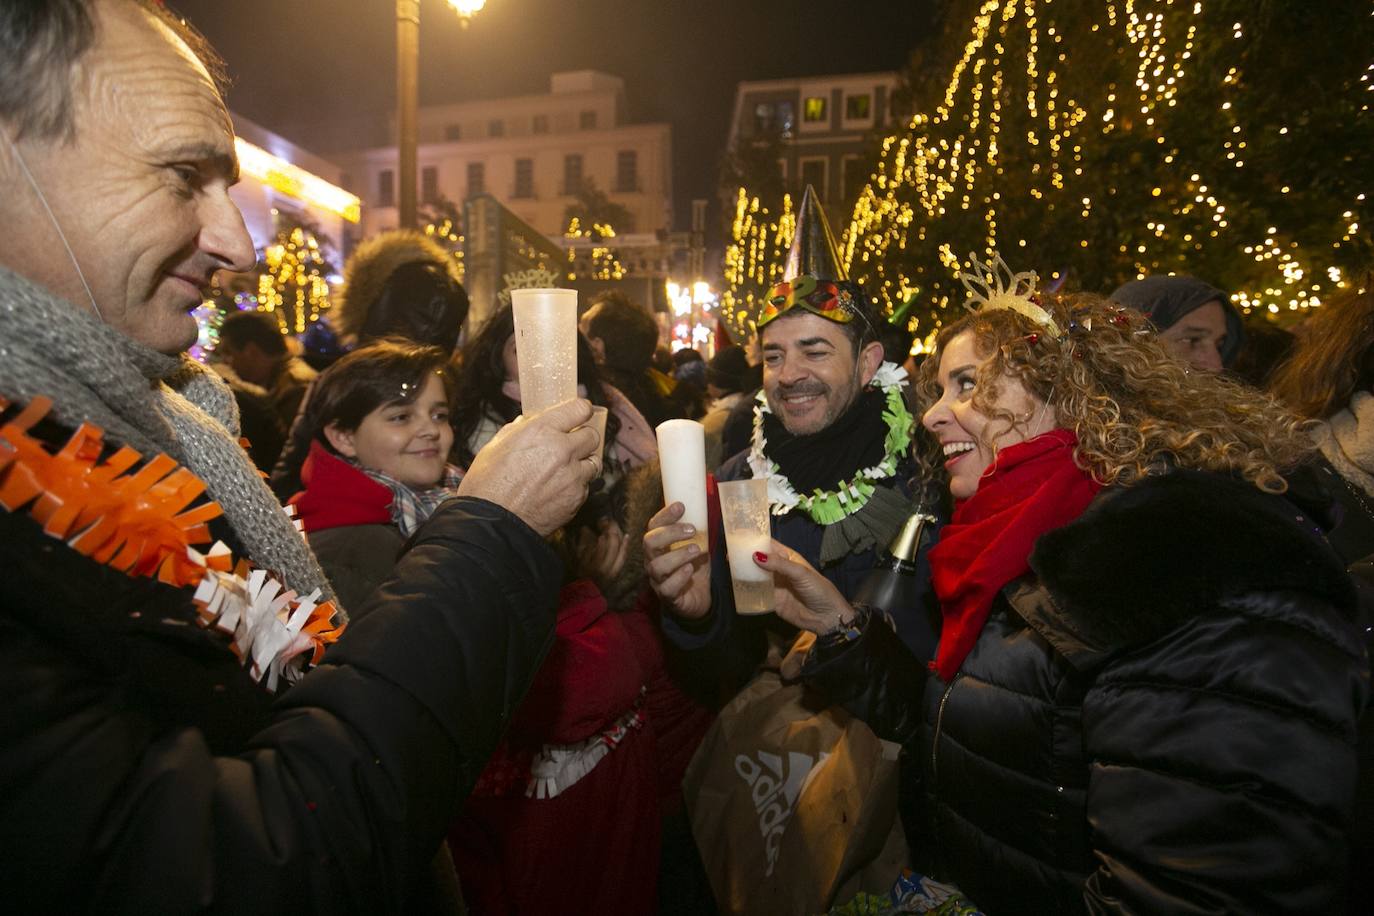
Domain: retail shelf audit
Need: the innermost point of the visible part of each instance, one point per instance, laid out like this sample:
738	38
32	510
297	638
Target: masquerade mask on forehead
819	297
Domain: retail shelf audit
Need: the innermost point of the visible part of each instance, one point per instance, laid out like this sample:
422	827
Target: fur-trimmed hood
643	499
372	264
1141	560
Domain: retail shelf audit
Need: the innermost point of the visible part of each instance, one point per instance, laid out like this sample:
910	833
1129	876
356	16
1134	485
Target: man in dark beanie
1195	320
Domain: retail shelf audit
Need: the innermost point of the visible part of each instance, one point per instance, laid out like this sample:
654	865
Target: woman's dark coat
1161	718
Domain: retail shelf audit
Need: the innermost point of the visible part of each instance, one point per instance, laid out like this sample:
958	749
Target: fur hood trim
643	499
373	262
1142	560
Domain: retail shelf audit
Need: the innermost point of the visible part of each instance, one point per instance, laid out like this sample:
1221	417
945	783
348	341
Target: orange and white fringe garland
139	523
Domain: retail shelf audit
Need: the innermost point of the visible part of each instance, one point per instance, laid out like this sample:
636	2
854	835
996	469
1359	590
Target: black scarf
822	460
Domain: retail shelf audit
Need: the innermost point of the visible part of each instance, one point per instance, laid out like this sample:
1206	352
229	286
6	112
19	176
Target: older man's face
141	192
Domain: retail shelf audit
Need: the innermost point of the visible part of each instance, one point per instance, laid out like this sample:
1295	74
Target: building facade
822	124
532	153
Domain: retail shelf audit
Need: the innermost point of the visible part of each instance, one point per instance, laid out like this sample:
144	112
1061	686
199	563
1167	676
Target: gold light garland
293	286
942	181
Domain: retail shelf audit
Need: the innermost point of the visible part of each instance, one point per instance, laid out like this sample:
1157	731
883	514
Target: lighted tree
754	257
443	221
1230	139
292	285
593	218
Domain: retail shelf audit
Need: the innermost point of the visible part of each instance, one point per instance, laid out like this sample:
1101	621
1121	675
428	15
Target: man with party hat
832	435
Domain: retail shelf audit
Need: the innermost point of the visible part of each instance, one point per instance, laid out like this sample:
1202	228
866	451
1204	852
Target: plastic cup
682	458
744	512
545	346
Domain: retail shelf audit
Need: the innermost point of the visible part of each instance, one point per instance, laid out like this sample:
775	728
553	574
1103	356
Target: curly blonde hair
1136	410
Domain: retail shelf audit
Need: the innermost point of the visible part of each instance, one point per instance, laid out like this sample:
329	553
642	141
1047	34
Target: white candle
545	346
682	457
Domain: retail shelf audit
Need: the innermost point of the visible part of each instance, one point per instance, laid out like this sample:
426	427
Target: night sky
298	62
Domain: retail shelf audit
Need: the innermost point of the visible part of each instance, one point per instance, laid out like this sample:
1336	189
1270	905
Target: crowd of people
468	665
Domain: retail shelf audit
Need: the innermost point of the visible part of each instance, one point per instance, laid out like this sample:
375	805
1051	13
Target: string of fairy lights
449	234
945	181
602	263
293	286
753	259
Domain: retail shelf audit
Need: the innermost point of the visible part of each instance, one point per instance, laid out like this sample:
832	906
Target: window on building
855	176
386	188
541	124
813	109
627	170
496	128
572	173
587	120
813	172
763	118
429	185
782	169
787	119
858	107
477	179
524	178
453	132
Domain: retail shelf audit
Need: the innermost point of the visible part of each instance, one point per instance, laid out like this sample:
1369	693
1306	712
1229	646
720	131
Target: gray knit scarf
152	403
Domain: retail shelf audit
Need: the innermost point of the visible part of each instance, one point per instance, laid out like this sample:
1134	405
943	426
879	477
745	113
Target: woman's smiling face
969	438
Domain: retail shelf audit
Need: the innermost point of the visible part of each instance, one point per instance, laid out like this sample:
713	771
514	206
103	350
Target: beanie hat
1166	300
727	369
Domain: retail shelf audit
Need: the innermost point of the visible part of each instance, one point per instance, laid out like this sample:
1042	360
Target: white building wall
650	204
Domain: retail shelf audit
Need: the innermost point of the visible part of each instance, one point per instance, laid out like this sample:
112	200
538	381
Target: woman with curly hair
1147	684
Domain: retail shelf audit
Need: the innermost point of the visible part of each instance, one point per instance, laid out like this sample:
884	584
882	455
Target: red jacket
593	847
337	494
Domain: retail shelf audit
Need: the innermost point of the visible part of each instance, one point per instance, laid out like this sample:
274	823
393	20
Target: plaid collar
410	508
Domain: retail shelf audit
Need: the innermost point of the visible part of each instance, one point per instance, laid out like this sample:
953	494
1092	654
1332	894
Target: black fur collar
1141	560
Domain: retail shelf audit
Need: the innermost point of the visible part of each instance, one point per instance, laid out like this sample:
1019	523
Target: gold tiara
994	286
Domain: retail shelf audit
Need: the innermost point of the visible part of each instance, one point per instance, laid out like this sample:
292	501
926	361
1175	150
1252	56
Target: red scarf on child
1032	487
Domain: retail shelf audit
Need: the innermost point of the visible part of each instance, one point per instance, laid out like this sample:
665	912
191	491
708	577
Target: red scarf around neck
1032	487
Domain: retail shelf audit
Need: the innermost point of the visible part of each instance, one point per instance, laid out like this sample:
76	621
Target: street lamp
408	93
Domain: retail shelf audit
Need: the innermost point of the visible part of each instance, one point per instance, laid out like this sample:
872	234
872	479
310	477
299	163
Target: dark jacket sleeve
336	805
720	652
1223	763
356	558
875	678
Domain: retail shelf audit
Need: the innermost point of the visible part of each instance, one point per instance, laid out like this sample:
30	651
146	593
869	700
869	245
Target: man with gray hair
144	766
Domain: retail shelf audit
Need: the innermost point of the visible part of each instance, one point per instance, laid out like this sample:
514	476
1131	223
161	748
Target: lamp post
408	94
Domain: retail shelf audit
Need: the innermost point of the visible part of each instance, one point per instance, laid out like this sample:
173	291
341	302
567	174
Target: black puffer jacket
1160	719
141	771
